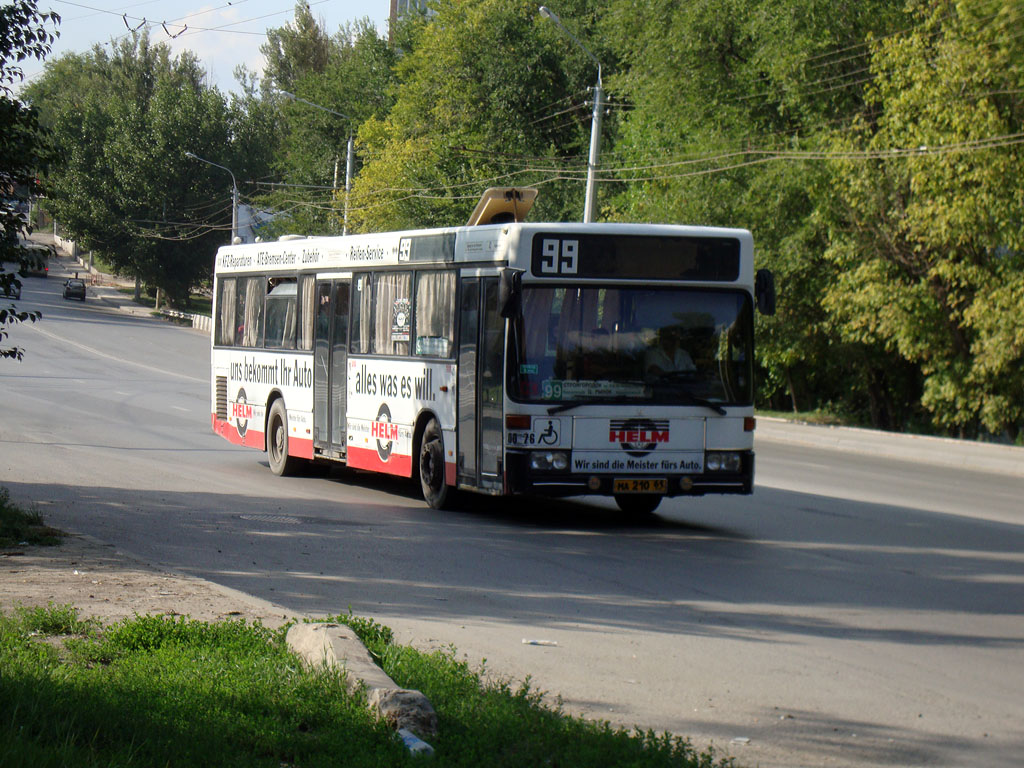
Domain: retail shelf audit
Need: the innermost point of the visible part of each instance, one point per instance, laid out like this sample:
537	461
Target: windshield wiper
596	401
682	377
561	407
692	399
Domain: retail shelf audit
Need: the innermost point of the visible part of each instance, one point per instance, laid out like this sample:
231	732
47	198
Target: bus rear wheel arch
281	464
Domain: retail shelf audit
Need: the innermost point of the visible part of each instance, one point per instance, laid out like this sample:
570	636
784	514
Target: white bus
499	358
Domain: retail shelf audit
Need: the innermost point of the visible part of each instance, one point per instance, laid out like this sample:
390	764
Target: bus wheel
436	492
281	463
639	504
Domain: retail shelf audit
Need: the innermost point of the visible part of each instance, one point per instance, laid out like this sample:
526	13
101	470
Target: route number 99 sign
559	257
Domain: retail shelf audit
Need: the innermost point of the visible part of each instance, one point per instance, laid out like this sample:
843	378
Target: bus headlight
545	461
723	461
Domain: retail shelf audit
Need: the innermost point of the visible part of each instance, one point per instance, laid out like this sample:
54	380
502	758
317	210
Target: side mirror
510	293
764	291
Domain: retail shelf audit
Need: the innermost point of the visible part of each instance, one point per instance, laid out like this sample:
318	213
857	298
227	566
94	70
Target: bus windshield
610	344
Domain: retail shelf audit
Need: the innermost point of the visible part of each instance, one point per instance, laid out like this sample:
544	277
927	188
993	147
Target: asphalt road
855	611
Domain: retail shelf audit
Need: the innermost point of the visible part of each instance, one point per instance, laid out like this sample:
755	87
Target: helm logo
638	437
384	432
241	412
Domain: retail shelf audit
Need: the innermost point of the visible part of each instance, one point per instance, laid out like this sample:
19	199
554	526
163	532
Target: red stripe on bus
367	458
252	438
299	447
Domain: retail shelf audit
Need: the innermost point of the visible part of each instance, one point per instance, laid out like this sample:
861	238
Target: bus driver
667	356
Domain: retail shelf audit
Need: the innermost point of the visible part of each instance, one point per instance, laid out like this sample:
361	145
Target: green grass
19	526
155	691
100	265
819	416
487	721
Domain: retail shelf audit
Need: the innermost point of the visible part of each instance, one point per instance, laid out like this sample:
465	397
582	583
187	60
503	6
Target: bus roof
489	243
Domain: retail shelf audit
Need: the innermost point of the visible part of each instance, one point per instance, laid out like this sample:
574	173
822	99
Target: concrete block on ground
336	646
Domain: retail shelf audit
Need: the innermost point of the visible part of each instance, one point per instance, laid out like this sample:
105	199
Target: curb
336	646
938	451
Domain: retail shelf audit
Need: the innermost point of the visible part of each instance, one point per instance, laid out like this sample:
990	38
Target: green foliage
299	48
485	98
723	92
487	721
54	620
122	123
351	82
24	33
20	526
926	234
152	691
376	637
899	268
175	692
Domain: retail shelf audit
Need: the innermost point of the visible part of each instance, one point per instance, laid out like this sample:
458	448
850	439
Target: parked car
39	255
34	260
74	289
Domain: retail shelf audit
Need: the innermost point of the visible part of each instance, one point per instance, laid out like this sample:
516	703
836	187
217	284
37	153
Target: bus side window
240	313
226	303
362	314
435	314
282	296
250	312
392	323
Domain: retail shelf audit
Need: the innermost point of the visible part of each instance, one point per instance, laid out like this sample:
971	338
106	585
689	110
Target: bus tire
281	464
436	492
639	504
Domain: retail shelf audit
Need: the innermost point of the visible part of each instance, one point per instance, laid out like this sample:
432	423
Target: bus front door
481	390
330	376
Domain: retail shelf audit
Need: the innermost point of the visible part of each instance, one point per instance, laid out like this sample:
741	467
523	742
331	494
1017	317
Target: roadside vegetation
19	526
177	692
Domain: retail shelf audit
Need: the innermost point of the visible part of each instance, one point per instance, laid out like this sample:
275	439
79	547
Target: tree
24	33
297	49
927	224
123	187
355	82
722	93
490	94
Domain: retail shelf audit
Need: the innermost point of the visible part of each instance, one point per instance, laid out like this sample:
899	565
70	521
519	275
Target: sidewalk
940	451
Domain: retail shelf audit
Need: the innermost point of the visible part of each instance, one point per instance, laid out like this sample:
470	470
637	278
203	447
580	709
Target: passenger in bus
667	355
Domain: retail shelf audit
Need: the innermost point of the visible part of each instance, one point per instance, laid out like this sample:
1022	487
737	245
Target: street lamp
349	154
234	192
595	124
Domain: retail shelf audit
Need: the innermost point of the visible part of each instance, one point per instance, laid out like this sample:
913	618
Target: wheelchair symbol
549	436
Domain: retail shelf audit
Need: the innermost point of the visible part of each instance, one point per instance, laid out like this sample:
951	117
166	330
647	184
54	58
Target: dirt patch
108	585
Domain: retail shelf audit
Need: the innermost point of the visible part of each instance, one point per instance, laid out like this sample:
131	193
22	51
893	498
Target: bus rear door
330	375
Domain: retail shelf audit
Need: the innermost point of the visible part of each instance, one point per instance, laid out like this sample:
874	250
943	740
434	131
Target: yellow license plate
640	485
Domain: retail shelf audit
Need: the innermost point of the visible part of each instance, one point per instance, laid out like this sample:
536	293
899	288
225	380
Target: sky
221	33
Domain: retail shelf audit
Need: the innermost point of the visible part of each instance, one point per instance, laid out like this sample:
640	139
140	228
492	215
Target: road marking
98	353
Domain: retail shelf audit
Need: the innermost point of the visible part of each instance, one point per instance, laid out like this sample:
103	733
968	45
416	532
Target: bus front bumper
521	478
